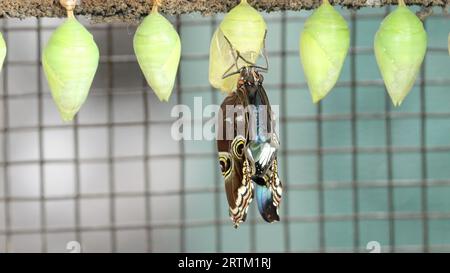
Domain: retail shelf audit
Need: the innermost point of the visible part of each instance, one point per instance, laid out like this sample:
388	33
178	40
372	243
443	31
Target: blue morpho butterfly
247	145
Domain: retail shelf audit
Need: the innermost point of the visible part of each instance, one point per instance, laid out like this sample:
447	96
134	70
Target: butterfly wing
262	155
268	195
235	170
260	150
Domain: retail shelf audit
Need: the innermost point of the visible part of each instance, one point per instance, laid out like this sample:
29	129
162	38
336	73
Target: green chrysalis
400	46
70	61
158	49
324	44
2	51
245	29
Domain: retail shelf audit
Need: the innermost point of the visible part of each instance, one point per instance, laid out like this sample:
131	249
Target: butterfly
247	146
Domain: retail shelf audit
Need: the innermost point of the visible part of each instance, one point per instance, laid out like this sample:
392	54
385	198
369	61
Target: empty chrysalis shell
2	51
245	29
70	61
400	46
158	49
324	44
221	58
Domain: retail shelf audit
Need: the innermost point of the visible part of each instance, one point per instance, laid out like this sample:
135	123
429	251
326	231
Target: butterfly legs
237	55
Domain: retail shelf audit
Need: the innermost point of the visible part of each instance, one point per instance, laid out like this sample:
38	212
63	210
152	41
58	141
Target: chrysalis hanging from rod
324	44
245	28
400	45
2	51
70	61
158	49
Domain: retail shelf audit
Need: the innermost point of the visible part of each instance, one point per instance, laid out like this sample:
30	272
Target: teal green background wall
355	169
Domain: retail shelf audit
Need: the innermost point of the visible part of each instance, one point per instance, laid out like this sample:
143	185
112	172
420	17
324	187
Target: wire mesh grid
356	170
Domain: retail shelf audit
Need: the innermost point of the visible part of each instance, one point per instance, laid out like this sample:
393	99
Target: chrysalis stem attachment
156	5
401	3
325	2
69	5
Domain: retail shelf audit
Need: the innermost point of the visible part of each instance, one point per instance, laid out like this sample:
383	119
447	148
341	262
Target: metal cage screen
355	169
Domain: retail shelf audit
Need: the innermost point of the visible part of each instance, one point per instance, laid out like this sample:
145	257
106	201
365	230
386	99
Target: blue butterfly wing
268	197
